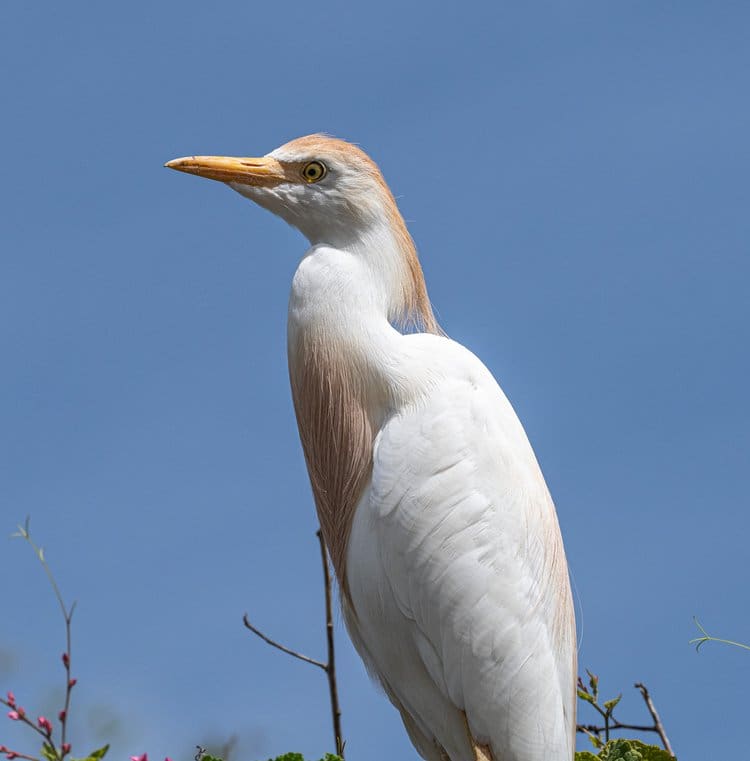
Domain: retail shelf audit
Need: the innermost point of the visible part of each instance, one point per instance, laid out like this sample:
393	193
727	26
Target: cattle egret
440	527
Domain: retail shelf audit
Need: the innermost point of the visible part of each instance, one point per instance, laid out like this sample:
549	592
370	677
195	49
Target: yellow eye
314	171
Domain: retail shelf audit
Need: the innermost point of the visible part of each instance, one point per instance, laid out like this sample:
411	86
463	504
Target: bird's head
334	194
329	189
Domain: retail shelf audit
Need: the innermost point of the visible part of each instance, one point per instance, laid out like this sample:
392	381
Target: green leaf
206	757
610	704
49	752
630	750
651	752
292	757
621	750
584	755
95	755
586	696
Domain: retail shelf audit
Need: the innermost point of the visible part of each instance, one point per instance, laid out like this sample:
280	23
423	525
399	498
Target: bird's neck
342	351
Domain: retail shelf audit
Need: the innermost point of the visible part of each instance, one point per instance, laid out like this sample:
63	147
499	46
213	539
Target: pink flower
144	757
14	715
11	700
44	724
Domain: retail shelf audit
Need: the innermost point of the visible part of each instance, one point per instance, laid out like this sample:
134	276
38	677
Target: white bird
441	530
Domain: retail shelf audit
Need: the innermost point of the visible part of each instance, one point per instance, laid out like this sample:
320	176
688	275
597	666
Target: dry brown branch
606	711
658	726
279	646
330	665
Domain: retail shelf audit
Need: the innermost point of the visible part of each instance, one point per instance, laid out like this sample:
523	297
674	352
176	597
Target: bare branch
596	730
279	646
658	726
331	665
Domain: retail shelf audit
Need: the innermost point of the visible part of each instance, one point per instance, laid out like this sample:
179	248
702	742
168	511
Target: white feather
454	609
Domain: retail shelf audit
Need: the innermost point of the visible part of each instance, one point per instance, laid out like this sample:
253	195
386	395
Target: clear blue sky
576	178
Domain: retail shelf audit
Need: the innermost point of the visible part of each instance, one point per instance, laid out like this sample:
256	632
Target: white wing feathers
457	577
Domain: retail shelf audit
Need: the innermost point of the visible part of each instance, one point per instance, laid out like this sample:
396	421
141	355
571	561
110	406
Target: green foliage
610	704
300	757
285	757
50	753
95	755
626	750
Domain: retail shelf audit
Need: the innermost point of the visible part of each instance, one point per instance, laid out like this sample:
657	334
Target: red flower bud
72	682
11	755
11	700
66	748
62	716
66	660
44	724
14	715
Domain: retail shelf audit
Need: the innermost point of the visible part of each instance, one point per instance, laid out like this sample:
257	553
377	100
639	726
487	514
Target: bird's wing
458	579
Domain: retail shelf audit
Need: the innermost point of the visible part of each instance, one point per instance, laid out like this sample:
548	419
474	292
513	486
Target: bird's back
459	599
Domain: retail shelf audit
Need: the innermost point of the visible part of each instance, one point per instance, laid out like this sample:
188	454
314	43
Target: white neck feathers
341	306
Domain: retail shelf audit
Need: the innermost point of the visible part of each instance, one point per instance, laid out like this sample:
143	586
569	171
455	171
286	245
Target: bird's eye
314	171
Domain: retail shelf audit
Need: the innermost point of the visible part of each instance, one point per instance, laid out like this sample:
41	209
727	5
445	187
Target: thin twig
594	729
331	664
281	647
25	533
69	683
22	717
17	754
698	641
659	727
608	717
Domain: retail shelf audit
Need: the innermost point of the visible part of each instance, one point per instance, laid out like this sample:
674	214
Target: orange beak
262	172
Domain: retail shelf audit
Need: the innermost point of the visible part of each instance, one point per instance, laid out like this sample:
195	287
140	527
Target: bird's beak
263	172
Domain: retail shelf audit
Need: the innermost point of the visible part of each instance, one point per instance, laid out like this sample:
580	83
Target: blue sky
576	178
